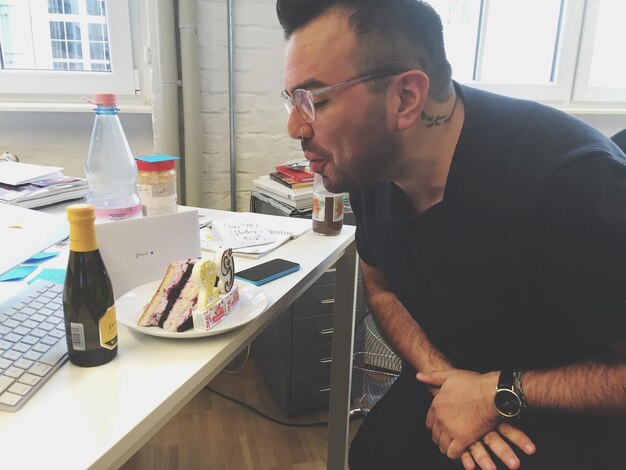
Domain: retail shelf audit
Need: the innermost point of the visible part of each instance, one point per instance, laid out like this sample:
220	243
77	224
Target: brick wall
261	138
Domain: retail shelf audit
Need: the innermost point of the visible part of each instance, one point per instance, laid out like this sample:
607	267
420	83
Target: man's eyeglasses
303	99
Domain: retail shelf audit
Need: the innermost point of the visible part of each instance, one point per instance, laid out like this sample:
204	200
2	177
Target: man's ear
409	93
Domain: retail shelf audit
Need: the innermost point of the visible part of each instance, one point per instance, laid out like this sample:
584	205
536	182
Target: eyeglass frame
289	101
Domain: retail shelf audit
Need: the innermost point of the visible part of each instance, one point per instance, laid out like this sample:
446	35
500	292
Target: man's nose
297	127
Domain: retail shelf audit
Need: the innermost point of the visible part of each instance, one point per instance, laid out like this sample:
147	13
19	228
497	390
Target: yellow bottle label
108	329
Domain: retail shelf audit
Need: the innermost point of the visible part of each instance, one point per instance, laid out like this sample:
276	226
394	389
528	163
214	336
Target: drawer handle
327	301
331	270
325	389
326	331
326	360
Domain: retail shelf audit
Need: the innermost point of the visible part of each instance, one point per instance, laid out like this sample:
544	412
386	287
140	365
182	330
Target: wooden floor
211	432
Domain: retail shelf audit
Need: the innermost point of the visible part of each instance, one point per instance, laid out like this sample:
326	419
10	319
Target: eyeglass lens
304	104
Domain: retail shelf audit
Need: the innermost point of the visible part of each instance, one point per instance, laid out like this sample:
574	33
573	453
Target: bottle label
332	213
158	199
77	331
108	329
118	213
319	207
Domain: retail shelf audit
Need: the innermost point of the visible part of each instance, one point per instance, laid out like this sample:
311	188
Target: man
492	238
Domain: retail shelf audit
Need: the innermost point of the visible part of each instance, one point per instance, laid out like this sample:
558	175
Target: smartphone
268	271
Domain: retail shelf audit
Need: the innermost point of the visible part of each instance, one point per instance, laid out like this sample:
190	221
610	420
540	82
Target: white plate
252	303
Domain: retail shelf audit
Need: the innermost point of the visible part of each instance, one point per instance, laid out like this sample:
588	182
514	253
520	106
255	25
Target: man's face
349	143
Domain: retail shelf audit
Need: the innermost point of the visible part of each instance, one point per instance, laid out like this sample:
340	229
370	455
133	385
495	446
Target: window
65	47
550	50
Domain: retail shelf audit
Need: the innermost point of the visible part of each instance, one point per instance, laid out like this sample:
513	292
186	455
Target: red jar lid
155	166
158	162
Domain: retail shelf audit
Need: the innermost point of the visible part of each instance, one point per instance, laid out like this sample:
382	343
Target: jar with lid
156	184
327	208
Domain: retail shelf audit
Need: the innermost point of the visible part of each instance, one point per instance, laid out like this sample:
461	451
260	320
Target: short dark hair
394	34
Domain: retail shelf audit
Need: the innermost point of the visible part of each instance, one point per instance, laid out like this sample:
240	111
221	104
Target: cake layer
167	293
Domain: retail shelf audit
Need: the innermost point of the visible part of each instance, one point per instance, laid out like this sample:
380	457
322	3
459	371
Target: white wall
262	141
62	139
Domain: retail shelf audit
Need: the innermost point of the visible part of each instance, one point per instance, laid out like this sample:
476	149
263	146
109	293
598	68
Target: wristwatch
509	399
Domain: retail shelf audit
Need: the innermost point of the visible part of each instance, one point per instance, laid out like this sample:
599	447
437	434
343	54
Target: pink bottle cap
107	100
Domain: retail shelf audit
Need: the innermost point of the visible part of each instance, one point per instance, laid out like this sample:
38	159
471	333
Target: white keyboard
32	342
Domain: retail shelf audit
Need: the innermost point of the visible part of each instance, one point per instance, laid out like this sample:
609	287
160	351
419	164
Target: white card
241	231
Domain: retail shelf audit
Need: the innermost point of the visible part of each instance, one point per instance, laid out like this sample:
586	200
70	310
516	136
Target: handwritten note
238	232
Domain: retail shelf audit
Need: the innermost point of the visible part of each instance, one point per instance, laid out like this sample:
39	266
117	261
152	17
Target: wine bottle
88	302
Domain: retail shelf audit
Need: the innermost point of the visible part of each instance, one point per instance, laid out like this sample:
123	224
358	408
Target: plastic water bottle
110	167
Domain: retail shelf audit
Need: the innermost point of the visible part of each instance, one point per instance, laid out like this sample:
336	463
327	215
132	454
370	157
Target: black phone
268	271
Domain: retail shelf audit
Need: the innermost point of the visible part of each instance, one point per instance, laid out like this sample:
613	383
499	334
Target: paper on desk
25	232
282	229
240	231
15	173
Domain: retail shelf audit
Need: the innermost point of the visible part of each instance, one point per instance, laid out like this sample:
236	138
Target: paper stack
31	186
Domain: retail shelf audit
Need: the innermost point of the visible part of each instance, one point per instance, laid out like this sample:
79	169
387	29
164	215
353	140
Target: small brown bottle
327	208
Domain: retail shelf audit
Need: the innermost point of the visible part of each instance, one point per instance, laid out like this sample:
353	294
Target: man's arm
399	328
464	409
410	342
592	387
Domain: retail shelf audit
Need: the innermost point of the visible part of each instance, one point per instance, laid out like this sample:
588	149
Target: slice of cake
193	286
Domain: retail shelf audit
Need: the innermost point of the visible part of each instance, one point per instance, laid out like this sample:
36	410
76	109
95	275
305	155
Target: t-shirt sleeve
580	247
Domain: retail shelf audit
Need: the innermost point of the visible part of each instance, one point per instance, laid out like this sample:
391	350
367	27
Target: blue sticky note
156	158
44	255
17	273
50	274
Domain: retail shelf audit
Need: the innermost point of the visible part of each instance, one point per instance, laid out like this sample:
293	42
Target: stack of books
31	186
289	186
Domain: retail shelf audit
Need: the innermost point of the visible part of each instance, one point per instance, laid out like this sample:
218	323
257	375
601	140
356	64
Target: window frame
566	60
570	89
121	79
582	91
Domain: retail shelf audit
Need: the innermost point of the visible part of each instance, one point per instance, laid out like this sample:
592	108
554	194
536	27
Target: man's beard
370	160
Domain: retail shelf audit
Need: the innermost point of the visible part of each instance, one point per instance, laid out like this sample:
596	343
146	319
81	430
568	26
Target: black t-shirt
523	262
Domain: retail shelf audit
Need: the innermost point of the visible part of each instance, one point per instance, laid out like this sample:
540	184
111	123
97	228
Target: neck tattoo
438	120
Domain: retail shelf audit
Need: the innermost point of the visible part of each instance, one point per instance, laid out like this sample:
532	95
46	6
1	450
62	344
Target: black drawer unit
294	352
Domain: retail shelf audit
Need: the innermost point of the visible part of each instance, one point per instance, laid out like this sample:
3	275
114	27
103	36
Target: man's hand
477	453
494	440
462	411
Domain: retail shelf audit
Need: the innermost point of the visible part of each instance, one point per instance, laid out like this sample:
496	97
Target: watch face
507	403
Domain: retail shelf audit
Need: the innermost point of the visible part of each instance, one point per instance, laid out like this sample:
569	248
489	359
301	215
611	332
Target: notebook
137	251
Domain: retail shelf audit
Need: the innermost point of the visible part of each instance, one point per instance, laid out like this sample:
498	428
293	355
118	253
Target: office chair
620	139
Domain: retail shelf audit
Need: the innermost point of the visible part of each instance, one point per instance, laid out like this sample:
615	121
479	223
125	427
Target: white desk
99	417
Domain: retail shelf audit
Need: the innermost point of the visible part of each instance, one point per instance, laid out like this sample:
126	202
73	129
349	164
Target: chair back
620	139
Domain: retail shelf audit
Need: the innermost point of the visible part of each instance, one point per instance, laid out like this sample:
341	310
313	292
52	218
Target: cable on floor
273	420
236	370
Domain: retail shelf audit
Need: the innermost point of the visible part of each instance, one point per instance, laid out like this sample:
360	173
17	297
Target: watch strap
517	375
